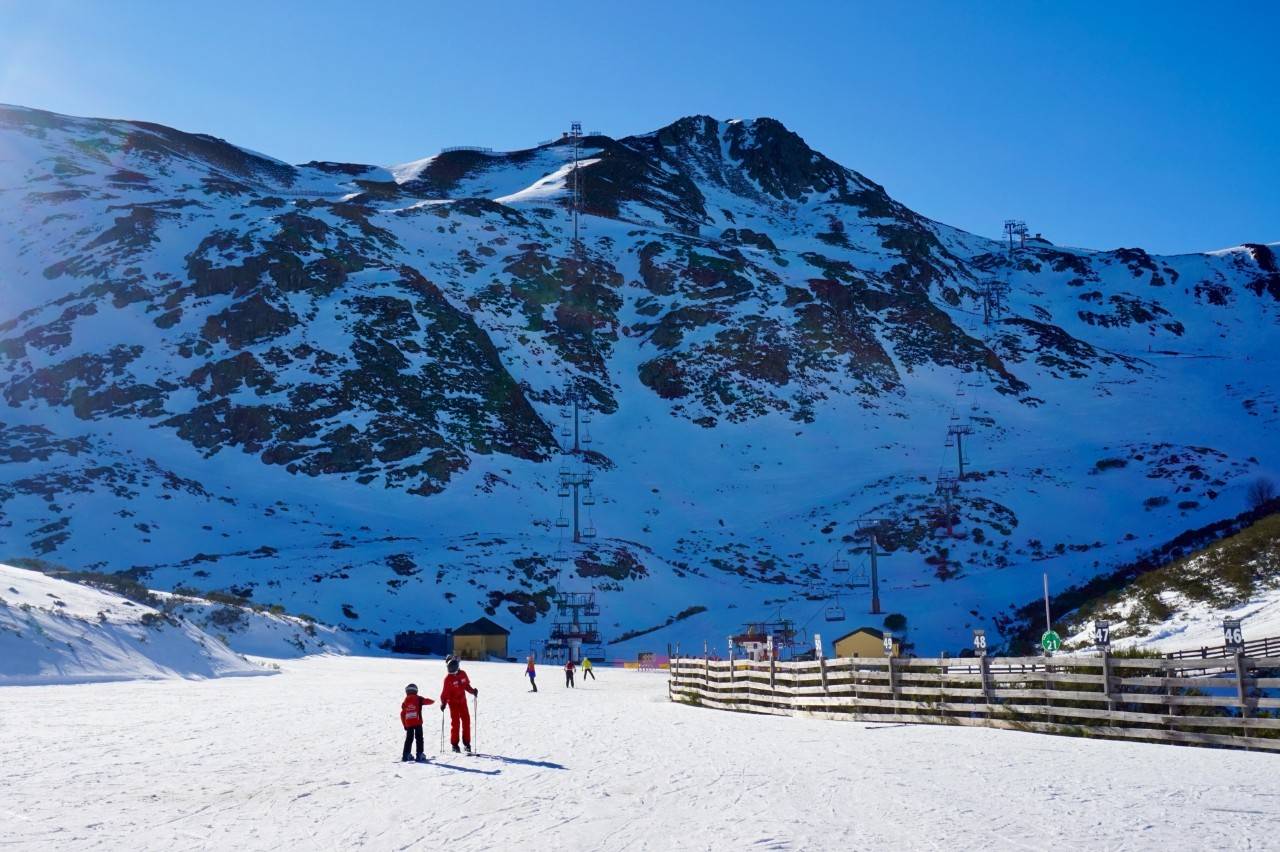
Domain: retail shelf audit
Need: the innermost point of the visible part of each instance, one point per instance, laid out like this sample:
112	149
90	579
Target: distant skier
411	718
586	669
530	673
568	673
454	696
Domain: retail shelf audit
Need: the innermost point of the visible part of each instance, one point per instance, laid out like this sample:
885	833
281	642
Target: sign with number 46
1232	635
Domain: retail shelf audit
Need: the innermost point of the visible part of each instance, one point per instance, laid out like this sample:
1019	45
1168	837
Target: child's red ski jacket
411	710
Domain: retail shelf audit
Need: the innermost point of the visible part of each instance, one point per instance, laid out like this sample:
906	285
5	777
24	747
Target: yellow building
864	642
480	640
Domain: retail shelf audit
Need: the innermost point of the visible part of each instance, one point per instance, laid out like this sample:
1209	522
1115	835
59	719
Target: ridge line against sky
1101	126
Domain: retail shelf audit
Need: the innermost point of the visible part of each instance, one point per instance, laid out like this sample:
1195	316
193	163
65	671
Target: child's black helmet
412	689
452	663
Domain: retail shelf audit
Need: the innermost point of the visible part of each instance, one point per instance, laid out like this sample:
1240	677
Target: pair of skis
475	727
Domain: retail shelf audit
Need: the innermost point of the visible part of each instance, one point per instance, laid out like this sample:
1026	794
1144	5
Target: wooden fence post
893	687
1241	692
822	667
772	669
1106	679
984	667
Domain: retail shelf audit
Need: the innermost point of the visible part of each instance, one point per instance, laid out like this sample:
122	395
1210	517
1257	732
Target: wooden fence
1198	702
1266	647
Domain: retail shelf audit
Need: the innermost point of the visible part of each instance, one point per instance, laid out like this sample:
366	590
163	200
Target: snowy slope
257	632
1181	604
53	631
610	765
347	401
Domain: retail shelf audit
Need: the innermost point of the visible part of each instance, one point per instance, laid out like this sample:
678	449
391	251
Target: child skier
568	673
411	718
454	696
586	669
531	674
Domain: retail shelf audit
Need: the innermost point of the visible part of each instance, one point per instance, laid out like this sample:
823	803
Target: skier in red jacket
454	696
411	718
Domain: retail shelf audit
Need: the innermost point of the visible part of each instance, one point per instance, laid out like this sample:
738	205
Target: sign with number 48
980	642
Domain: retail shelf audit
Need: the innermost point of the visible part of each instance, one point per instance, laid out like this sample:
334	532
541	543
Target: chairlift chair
588	532
560	556
834	613
588	499
563	490
562	522
840	566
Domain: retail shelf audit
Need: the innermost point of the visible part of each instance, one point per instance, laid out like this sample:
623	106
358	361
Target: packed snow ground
313	756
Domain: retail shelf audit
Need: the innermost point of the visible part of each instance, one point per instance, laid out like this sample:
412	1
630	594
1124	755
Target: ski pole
442	732
475	732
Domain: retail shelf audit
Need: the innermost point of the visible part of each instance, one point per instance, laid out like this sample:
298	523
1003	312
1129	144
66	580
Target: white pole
1048	624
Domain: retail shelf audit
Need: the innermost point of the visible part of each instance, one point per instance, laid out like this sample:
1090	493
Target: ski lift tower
576	624
956	433
995	293
758	636
576	472
575	184
868	529
1015	228
947	487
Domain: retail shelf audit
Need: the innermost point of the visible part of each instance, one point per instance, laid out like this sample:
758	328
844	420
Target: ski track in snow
312	755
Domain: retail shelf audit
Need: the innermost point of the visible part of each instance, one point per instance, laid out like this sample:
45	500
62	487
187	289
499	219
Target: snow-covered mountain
55	631
337	387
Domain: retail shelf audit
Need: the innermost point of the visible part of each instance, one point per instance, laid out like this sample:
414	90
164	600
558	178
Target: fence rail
1221	703
1266	647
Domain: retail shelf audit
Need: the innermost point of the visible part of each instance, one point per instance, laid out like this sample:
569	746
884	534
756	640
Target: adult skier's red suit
454	696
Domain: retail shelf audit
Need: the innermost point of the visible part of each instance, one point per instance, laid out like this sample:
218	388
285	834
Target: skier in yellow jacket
586	669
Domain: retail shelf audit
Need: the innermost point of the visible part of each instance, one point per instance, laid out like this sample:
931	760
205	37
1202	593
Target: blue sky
1101	124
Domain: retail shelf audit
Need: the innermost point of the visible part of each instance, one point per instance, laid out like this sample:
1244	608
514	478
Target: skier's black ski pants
410	736
588	673
568	678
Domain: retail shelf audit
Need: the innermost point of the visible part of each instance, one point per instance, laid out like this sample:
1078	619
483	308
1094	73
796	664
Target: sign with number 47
1102	634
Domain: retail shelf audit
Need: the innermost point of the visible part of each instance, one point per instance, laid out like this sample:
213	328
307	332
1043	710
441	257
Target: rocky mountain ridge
337	386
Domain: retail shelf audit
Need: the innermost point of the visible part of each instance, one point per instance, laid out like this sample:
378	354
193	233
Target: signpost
1050	642
1102	634
817	646
979	643
1232	635
888	643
